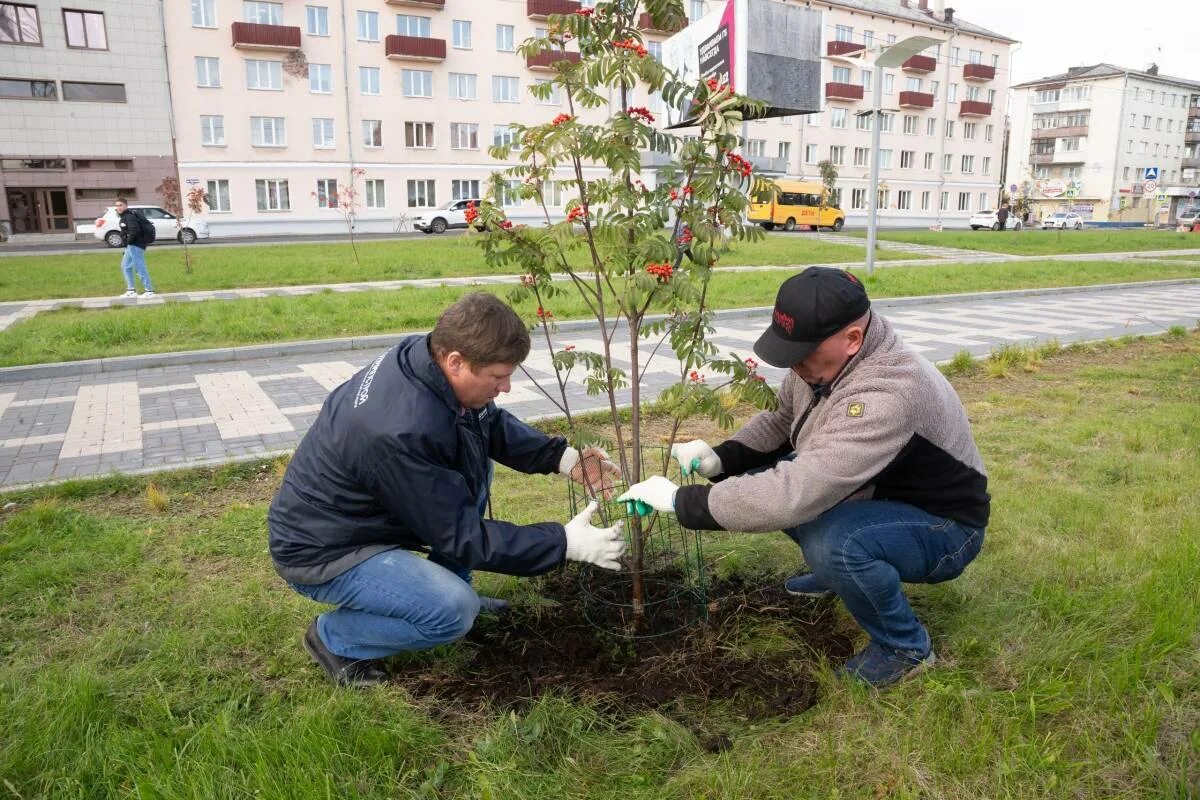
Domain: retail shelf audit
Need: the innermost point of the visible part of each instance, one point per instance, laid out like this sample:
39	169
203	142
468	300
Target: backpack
149	232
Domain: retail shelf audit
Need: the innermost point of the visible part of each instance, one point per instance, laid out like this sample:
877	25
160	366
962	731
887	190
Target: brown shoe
342	671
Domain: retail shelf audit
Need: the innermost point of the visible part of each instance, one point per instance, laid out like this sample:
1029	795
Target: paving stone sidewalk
151	419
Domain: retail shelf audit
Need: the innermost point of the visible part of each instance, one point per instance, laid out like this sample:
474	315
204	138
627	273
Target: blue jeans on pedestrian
397	601
135	259
863	550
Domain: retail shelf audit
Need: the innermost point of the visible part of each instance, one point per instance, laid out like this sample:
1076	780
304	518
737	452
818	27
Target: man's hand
600	546
655	493
698	456
593	470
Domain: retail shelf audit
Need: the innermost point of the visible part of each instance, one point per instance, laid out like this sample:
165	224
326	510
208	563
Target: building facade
85	111
280	105
1091	139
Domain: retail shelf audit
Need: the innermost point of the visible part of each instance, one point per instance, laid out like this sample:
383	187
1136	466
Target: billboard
761	48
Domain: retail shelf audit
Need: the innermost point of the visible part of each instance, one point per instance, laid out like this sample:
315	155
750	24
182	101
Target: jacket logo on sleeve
855	409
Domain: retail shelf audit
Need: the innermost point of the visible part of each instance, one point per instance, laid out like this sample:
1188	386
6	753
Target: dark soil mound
754	657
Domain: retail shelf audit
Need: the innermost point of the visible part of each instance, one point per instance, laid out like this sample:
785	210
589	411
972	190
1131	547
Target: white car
186	231
1063	220
438	220
987	219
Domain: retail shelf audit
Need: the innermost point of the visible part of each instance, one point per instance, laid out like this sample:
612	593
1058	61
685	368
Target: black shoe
342	671
807	585
494	605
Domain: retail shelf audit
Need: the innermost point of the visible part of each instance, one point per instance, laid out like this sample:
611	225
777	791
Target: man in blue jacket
398	461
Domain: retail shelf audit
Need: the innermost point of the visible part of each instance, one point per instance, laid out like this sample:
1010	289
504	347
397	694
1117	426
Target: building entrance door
37	210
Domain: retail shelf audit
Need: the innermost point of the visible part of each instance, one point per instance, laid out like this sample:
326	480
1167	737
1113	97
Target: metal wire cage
674	583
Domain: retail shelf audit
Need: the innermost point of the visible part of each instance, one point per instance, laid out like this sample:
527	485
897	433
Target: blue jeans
396	601
135	259
864	549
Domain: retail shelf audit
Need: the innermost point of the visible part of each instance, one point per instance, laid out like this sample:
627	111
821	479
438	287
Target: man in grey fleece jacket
868	464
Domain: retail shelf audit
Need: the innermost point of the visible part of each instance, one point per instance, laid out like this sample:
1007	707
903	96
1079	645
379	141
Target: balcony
1060	132
916	100
414	48
920	64
540	9
1042	158
646	23
843	91
838	48
769	164
1191	136
546	59
974	108
1191	163
1194	111
252	36
652	159
978	72
436	5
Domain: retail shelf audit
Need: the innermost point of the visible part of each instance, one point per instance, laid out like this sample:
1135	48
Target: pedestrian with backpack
139	234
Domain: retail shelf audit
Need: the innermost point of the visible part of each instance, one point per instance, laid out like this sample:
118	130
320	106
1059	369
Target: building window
949	129
268	132
39	163
28	90
969	130
929	161
756	147
464	136
372	130
93	92
947	162
968	163
368	26
861	156
785	151
262	13
983	200
204	14
934	87
368	80
421	194
462	34
212	130
505	89
944	201
964	201
866	80
955	56
85	29
217	192
837	154
320	78
837	118
924	201
988	131
467	190
952	93
974	93
889	83
322	128
503	136
463	86
931	126
418	83
376	194
318	20
272	195
208	72
695	10
810	153
326	193
418	135
842	33
987	165
504	39
911	124
885	159
264	75
858	198
1071	143
862	122
887	122
912	84
408	25
904	199
1041	172
553	94
907	159
655	50
991	97
812	120
840	75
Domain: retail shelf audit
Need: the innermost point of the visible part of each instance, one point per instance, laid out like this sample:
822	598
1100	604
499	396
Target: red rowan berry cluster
661	271
640	111
632	46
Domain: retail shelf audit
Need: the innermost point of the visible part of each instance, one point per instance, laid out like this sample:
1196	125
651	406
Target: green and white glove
697	456
653	494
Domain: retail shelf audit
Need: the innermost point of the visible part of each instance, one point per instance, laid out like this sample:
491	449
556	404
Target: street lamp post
890	56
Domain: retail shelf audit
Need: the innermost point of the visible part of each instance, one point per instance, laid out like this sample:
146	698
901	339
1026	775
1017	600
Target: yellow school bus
793	203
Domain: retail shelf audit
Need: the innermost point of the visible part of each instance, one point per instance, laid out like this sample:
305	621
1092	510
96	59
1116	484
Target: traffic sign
1012	187
1150	186
1151	174
1192	194
1161	197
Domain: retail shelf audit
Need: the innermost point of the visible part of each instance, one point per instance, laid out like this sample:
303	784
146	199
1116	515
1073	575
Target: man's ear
455	363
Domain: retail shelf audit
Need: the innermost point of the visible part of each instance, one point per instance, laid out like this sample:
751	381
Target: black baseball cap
809	308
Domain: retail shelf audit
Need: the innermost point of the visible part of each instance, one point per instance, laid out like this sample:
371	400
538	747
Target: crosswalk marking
330	374
107	418
239	406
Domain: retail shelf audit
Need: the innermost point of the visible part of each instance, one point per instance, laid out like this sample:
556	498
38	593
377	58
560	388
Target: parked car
1063	220
987	219
1187	217
438	220
165	223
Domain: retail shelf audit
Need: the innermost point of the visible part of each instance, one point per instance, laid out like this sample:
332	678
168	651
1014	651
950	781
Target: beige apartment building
277	103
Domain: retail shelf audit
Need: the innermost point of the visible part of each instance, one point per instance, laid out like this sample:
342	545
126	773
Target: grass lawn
453	255
1043	243
156	654
72	333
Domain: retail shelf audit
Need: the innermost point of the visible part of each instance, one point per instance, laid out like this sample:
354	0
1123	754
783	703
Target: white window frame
327	193
208	72
204	14
368	79
461	34
261	12
464	135
315	83
212	130
413	25
422	193
375	193
275	191
463	86
416	81
316	20
323	133
506	39
367	26
420	134
465	189
217	191
501	85
258	131
371	127
259	68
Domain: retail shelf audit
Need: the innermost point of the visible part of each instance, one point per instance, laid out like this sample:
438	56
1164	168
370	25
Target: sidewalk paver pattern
149	419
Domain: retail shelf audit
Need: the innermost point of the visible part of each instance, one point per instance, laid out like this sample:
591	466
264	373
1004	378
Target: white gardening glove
600	546
698	456
655	493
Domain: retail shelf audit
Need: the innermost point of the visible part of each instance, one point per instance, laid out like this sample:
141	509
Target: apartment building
1088	136
85	111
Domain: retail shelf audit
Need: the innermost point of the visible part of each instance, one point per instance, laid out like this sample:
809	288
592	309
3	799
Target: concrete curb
379	341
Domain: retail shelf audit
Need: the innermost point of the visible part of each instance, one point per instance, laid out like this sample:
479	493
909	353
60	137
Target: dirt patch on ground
754	658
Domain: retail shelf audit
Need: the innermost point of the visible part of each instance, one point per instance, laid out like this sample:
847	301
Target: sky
1057	34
